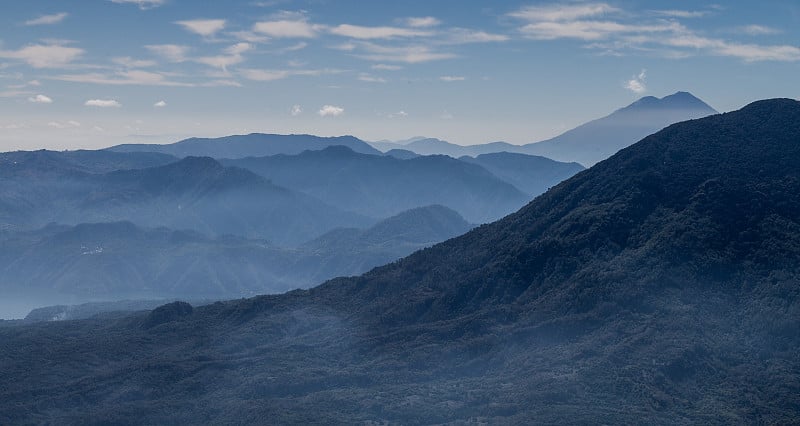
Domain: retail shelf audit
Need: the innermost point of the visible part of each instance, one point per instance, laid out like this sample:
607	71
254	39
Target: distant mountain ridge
382	186
194	193
120	260
588	143
252	145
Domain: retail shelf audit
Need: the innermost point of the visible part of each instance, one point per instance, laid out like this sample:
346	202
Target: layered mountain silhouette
532	174
588	143
599	139
119	260
252	145
381	186
658	284
196	193
36	163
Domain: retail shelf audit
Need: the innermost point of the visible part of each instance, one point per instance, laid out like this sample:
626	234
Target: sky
94	73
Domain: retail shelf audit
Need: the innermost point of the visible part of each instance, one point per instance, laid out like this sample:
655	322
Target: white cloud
123	78
452	78
170	52
71	124
272	75
48	19
636	84
160	104
592	30
367	33
40	99
330	111
563	12
756	30
286	29
398	114
386	67
370	78
232	55
44	55
128	62
422	22
669	39
264	75
464	36
143	4
296	110
203	27
249	37
405	54
681	13
103	103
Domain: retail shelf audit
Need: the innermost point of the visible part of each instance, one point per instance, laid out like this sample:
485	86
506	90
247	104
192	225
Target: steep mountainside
380	186
660	286
252	145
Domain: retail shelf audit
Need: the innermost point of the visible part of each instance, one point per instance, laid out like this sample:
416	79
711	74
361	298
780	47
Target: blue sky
93	73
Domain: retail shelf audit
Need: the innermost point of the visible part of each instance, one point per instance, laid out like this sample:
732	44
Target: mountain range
586	144
194	193
659	286
252	145
381	186
119	260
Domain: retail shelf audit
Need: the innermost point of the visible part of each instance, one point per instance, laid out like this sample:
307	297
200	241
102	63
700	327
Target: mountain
252	145
382	186
86	161
193	193
347	252
588	143
530	173
601	138
659	286
113	261
401	154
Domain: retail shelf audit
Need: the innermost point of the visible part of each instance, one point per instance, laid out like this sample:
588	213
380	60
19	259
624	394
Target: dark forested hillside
659	286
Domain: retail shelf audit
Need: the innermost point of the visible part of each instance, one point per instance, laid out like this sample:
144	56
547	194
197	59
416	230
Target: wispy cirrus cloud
616	31
368	33
170	52
412	54
278	74
48	19
44	55
421	22
122	78
203	27
757	30
143	4
286	28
